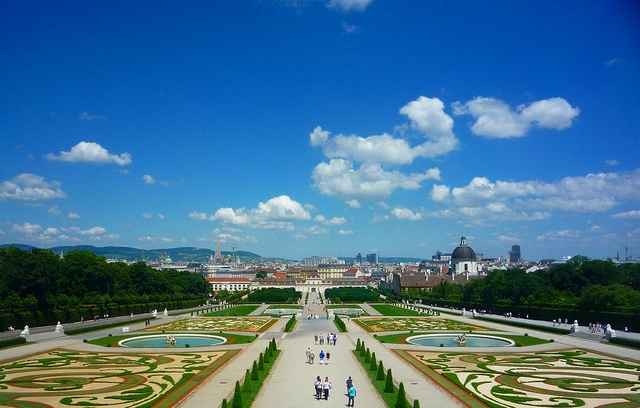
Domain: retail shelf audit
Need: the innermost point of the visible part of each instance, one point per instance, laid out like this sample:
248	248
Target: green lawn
243	310
390	310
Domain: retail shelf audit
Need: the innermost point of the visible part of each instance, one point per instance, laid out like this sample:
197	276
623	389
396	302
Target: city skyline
322	127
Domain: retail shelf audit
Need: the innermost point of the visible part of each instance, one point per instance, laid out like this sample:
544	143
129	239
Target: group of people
325	358
331	339
322	388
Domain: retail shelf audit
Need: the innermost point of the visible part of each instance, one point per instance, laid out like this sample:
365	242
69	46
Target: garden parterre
415	323
248	324
563	378
63	378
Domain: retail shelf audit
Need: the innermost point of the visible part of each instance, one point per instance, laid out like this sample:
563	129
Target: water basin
282	311
449	340
347	311
181	340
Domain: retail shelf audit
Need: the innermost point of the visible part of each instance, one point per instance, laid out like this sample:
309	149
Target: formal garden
78	378
561	378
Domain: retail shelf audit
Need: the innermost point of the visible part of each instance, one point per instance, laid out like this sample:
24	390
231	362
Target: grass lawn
521	341
112	341
391	310
243	310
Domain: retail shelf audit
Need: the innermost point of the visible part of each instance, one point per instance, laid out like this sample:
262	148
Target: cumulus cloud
495	119
92	153
439	193
73	215
30	187
332	221
402	213
629	215
147	216
367	168
346	5
148	179
353	203
486	201
345	232
339	178
27	228
55	210
276	213
613	162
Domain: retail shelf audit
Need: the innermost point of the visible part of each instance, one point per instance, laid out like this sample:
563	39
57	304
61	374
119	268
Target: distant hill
388	260
191	254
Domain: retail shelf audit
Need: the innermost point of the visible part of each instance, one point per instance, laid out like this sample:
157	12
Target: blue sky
322	127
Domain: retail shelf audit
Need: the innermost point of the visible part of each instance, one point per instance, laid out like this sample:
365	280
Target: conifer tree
358	344
367	356
266	355
388	386
246	387
374	363
255	376
261	362
401	402
237	396
416	404
380	373
224	403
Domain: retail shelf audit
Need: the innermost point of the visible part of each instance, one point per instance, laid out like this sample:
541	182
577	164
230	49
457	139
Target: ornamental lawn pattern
567	378
415	323
249	324
70	378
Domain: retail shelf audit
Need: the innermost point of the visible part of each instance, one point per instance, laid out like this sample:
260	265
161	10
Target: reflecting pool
173	340
452	340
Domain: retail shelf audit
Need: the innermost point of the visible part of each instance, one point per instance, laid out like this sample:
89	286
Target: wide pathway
290	383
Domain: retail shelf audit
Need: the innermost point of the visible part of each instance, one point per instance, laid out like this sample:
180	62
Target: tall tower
217	258
514	254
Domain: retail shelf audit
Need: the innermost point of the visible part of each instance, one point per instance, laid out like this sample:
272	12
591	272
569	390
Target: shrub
367	356
237	397
388	386
246	387
416	404
374	363
255	376
380	373
261	362
401	402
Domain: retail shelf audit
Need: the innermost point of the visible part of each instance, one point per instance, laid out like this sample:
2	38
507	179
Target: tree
237	396
380	373
401	402
388	386
261	275
246	387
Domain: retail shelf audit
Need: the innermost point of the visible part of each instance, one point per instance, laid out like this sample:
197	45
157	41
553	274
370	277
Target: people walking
351	393
349	383
327	357
313	357
321	355
318	386
326	386
308	353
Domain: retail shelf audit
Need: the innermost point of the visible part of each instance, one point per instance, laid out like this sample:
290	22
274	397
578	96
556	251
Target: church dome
463	252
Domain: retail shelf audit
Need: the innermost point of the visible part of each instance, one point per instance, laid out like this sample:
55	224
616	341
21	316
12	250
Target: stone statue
575	328
25	333
59	328
166	312
609	332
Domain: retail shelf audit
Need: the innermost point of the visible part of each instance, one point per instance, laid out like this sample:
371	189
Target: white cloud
439	193
30	187
161	216
27	228
349	28
495	119
92	153
613	162
402	213
353	203
332	221
316	230
370	181
147	216
73	215
55	210
345	232
484	202
555	236
148	179
346	5
629	215
91	231
276	213
91	116
194	215
366	168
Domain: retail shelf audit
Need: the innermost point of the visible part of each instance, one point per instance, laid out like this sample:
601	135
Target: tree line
581	282
39	280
